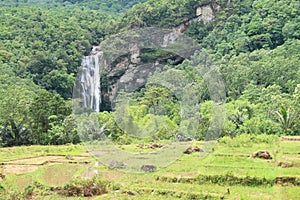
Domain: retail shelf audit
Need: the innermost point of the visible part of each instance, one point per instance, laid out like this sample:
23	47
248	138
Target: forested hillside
255	45
110	6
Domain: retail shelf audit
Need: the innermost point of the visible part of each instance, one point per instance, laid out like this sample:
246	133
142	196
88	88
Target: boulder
154	146
128	193
263	154
148	168
117	165
150	146
192	149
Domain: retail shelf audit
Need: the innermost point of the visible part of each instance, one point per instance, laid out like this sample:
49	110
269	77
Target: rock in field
117	165
263	154
2	176
148	168
192	149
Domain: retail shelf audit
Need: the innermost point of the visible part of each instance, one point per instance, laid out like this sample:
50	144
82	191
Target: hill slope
253	43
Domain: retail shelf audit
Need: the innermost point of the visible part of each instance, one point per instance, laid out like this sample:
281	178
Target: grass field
69	172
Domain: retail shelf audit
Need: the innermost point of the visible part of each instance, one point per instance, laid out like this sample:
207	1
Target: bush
247	140
86	187
124	139
226	179
258	125
264	138
243	140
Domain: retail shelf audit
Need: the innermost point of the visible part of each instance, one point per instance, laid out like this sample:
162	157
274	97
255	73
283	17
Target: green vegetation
28	151
253	44
228	172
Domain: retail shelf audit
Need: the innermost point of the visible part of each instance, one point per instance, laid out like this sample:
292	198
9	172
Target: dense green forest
255	45
109	6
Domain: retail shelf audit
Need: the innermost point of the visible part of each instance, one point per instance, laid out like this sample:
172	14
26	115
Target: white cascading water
90	80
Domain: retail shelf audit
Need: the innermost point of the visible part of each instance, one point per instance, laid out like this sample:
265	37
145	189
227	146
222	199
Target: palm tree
286	118
14	134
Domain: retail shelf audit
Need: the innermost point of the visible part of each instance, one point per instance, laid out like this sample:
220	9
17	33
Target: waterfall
90	80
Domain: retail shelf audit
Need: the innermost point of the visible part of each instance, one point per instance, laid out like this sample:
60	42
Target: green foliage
248	25
113	7
47	44
206	117
254	44
287	114
189	177
285	118
275	112
160	101
45	111
263	68
16	100
227	179
159	13
124	139
260	124
14	134
64	133
247	140
239	111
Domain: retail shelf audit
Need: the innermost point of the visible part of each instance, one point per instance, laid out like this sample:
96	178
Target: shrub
226	179
247	140
86	187
264	138
243	140
124	140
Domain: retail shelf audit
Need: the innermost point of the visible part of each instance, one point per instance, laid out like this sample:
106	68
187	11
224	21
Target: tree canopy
253	43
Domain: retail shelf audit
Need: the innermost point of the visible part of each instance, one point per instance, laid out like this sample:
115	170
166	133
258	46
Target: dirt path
31	164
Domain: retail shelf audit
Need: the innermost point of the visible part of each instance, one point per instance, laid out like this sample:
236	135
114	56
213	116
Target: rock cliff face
203	14
130	70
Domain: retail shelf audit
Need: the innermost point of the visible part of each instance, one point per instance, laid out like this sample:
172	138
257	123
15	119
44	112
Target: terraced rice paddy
229	172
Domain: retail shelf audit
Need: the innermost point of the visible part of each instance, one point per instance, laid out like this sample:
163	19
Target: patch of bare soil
83	155
38	160
182	174
31	164
71	159
291	138
285	181
22	182
111	175
291	158
262	196
150	146
288	164
90	173
19	169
